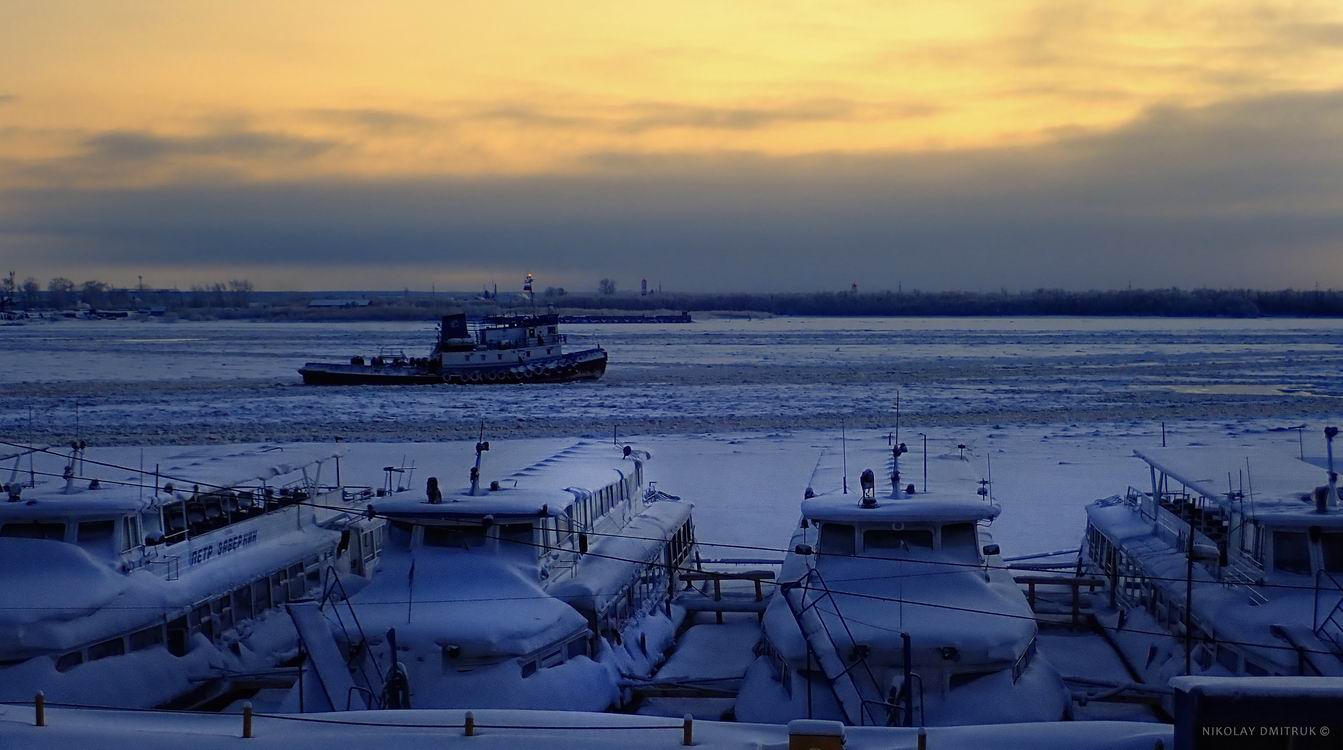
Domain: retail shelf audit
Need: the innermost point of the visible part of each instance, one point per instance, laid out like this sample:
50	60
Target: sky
703	145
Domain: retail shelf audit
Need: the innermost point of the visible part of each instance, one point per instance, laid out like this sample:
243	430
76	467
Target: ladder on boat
1329	629
350	681
842	659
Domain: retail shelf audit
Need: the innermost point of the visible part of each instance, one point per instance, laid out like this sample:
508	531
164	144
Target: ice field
154	382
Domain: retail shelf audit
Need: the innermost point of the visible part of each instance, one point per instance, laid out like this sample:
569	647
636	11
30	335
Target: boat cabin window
892	542
1291	552
35	530
516	535
95	532
69	661
461	537
836	539
1331	552
130	533
959	540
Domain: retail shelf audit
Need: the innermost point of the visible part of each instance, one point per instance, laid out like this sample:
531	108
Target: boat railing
334	593
835	670
1239	570
167	567
1329	627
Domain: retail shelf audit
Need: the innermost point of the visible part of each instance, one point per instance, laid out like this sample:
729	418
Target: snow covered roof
120	490
551	482
845	508
1272	483
949	494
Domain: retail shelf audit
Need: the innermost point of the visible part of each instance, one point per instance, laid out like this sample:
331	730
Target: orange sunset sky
707	145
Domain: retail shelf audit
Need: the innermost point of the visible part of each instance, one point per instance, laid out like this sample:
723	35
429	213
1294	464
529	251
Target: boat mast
481	447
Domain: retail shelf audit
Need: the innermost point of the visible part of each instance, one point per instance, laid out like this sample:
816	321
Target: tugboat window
836	539
1291	552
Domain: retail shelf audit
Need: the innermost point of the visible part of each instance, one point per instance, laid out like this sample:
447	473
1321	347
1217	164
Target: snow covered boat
898	611
142	589
538	590
1232	564
502	349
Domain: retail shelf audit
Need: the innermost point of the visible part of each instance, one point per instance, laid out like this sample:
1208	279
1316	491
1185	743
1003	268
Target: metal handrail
1318	625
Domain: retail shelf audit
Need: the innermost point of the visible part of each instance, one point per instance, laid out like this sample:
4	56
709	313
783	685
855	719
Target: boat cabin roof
551	483
950	494
122	491
1277	489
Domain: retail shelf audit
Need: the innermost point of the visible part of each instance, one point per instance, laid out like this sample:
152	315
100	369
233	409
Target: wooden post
760	597
470	724
1030	594
40	709
687	731
247	720
718	597
1077	593
923	738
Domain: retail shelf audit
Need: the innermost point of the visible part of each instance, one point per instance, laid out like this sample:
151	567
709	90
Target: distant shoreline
374	306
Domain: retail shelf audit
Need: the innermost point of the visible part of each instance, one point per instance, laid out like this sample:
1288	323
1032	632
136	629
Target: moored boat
538	590
1230	564
897	610
148	588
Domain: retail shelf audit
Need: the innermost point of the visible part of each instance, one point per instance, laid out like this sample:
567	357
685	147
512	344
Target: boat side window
462	537
891	542
130	533
958	539
35	530
179	633
143	639
1331	551
111	647
578	647
836	539
95	532
175	518
1291	552
69	661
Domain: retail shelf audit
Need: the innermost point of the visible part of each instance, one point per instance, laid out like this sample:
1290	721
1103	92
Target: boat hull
584	365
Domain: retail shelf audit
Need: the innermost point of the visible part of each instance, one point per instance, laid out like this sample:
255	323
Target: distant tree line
238	298
61	293
1173	302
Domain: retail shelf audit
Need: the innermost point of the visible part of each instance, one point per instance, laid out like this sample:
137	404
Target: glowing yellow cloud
115	93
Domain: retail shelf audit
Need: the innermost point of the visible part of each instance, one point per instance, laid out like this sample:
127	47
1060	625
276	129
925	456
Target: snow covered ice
735	413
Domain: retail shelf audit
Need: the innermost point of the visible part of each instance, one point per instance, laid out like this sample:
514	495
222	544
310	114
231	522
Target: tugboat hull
584	365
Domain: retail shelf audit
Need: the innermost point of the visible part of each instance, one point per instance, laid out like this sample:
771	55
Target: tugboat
501	349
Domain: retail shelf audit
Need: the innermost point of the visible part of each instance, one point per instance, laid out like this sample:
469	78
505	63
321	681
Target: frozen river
137	382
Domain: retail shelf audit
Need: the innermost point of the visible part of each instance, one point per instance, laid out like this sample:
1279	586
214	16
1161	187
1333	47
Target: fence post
470	724
40	709
687	731
247	720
